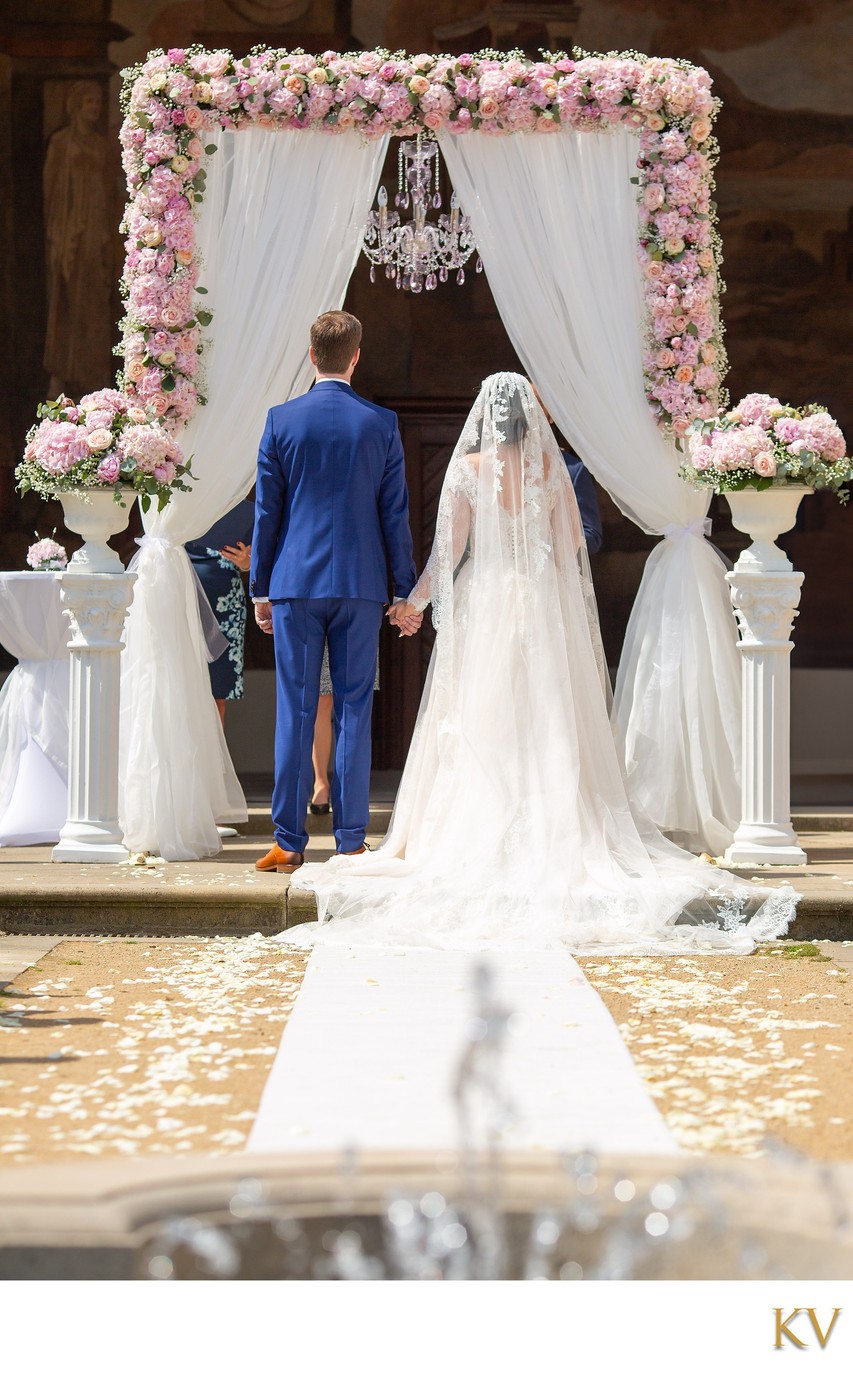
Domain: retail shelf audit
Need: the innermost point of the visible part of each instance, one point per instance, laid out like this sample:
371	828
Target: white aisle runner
368	1057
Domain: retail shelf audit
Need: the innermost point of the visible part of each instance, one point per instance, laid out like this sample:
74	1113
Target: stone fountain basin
101	1220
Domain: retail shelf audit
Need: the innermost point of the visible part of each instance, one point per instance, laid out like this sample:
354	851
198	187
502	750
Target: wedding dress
512	827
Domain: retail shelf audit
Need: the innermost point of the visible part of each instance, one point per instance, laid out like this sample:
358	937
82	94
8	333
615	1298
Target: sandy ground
737	1050
140	1046
121	1046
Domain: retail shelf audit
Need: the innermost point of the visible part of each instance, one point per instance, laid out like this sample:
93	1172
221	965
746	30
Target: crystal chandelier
418	253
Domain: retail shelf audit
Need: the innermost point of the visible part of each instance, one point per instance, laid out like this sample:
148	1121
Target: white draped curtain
555	219
279	234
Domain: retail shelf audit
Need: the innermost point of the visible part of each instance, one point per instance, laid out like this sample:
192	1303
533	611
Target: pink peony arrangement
46	554
173	99
102	441
762	442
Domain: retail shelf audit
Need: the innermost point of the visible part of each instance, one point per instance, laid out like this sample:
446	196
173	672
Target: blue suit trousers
301	628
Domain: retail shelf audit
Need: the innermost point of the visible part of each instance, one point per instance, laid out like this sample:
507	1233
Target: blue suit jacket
587	499
331	506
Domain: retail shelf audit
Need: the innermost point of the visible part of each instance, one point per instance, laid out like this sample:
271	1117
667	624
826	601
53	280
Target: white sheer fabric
555	220
512	826
279	234
33	710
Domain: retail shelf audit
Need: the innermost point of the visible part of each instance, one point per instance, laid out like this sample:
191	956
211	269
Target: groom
331	521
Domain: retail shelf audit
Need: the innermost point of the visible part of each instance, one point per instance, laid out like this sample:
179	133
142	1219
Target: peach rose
345	120
708	353
705	259
136	370
684	374
655	122
700	129
654	269
549	88
184	257
193	117
665	358
137	415
98	440
419	85
295	83
488	107
546	124
159	404
152	237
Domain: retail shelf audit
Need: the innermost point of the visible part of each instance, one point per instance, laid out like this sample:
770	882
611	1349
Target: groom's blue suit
331	522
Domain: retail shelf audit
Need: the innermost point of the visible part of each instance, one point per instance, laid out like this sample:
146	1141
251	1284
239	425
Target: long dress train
512	826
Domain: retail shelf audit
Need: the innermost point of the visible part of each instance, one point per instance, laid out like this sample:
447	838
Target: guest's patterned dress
223	585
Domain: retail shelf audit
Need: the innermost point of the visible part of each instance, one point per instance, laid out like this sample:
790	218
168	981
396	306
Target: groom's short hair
335	336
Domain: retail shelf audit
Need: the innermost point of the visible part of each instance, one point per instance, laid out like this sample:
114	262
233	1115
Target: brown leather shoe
358	852
285	862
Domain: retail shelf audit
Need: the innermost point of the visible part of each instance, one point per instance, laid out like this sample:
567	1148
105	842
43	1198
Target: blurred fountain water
607	1223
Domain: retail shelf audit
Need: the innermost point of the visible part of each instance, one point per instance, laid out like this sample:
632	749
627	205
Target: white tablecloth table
33	710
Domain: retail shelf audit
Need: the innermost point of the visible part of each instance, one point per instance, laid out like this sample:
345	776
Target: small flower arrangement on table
101	442
46	554
762	443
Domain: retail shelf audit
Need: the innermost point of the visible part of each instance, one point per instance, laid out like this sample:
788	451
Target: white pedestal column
96	592
95	605
765	591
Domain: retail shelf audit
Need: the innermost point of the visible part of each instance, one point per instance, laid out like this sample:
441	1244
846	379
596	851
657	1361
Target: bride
512	827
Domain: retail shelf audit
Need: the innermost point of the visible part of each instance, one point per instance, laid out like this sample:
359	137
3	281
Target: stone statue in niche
78	227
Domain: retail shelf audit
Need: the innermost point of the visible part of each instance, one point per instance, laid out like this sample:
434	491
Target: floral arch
619	151
175	97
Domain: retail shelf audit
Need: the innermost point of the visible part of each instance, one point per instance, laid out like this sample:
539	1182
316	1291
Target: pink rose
137	415
700	129
488	107
654	269
419	85
172	315
665	358
654	196
194	117
765	465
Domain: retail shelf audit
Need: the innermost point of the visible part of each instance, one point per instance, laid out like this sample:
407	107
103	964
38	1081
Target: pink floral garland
174	97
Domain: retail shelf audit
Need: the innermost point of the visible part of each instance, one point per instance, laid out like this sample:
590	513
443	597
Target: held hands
263	616
238	554
405	618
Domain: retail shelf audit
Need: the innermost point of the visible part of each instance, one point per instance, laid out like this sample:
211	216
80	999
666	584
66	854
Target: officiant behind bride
512	826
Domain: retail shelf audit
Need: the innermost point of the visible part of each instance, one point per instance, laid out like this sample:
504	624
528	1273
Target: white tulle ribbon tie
702	529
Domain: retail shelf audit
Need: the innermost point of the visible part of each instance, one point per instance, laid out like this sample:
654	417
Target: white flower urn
94	514
765	591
